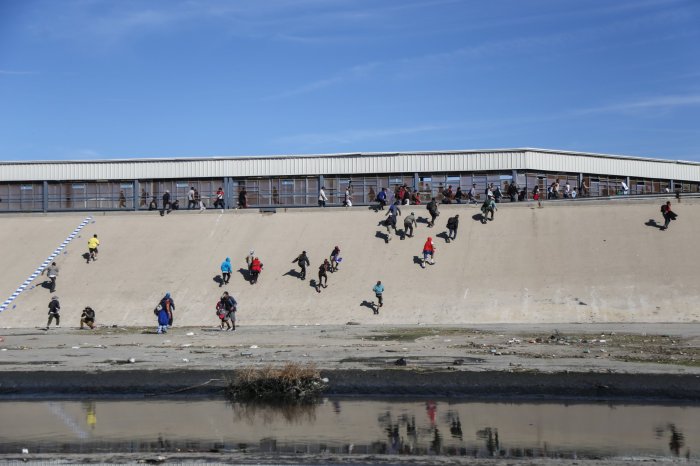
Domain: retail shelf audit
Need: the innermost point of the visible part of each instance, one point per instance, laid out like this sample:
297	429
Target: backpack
663	208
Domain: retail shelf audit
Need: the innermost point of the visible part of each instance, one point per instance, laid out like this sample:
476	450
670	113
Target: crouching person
87	318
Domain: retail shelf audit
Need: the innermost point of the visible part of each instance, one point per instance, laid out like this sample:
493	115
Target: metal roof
529	159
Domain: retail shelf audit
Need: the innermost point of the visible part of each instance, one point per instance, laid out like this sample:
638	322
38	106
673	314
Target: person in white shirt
625	188
574	194
322	197
567	190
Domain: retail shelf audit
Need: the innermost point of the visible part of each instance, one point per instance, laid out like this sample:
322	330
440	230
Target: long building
295	180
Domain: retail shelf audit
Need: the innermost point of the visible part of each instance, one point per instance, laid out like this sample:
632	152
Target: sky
94	79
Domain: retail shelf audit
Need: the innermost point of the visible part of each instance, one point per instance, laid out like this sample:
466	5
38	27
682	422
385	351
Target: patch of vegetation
413	334
291	383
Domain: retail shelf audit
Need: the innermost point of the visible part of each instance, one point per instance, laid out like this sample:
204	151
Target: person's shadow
86	256
46	285
652	223
219	279
293	273
444	236
244	273
418	260
479	218
383	236
369	305
423	220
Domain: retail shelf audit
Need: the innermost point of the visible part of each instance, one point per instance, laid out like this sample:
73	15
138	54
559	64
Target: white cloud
659	103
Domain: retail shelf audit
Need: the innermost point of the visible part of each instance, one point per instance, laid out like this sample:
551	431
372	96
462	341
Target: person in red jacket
428	252
255	268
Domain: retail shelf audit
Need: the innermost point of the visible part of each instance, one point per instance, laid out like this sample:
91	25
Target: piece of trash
352	323
4	349
601	341
447	341
76	347
602	350
586	351
325	380
25	451
132	360
493	351
186	345
458	362
246	353
400	362
185	360
189	334
253	346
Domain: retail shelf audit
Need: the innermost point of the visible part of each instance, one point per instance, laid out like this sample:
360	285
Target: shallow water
355	426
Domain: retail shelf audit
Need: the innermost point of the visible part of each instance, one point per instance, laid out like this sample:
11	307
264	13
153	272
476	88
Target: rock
352	323
458	362
400	362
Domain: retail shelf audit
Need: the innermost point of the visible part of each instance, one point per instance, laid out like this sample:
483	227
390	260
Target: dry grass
291	382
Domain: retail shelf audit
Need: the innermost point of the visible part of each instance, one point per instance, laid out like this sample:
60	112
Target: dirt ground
630	349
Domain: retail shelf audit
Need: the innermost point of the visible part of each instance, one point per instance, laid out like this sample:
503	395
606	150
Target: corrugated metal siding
342	164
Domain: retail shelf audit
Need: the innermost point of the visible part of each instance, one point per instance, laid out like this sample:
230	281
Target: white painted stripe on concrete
43	265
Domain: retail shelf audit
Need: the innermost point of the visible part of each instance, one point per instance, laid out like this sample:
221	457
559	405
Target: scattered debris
400	362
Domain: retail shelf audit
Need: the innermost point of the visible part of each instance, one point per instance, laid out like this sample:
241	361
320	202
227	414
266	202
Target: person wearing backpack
226	311
433	211
255	268
452	225
164	311
668	214
408	223
52	273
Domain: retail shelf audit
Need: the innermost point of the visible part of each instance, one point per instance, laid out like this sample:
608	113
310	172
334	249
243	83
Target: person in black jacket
433	211
452	225
54	310
303	261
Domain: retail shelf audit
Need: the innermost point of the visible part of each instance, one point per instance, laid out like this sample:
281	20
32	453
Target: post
45	196
135	194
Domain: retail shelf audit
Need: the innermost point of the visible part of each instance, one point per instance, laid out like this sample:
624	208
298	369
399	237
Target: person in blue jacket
164	311
225	272
378	292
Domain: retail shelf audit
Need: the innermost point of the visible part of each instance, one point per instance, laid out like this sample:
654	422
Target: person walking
323	275
87	318
408	223
167	206
452	225
347	200
243	199
52	273
488	206
256	268
668	214
378	292
164	311
122	199
54	312
225	272
249	261
381	199
335	259
191	198
433	211
428	252
322	199
92	248
219	199
472	194
303	261
226	310
512	191
536	195
389	223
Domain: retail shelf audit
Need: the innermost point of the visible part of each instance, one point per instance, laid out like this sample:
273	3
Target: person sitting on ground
153	205
459	195
87	318
255	268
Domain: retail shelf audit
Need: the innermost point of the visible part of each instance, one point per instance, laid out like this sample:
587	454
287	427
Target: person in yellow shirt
92	248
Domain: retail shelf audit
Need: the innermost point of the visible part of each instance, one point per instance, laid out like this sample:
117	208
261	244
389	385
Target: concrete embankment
562	263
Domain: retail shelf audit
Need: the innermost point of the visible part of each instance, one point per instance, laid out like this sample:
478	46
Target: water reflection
351	426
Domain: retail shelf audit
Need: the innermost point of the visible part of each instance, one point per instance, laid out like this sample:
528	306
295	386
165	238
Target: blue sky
93	79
